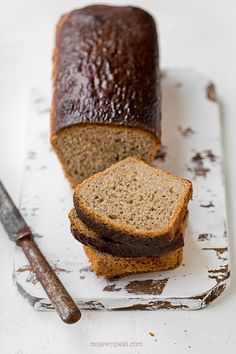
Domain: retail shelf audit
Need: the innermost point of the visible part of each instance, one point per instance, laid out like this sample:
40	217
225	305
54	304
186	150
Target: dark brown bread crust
104	245
125	237
106	69
121	250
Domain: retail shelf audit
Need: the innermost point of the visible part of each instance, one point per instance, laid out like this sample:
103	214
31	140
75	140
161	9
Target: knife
20	232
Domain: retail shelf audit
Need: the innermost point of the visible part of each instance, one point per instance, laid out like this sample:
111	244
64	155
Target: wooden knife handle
62	301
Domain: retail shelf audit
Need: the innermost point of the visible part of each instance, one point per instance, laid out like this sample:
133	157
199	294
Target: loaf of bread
90	238
106	89
109	266
133	203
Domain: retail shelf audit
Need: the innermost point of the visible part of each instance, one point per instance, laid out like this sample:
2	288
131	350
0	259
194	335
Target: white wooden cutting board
192	149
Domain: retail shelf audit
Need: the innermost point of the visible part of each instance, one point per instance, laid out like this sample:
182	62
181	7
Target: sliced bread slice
109	266
132	202
90	238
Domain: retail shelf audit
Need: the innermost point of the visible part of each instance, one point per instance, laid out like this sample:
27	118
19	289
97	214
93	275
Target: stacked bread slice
131	218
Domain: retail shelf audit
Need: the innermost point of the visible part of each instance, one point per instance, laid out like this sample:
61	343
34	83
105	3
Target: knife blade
18	231
10	217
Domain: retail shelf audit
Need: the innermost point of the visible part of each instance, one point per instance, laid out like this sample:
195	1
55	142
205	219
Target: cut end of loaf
133	197
110	266
87	149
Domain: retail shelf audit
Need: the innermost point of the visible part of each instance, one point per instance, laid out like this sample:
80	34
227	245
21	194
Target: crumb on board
152	334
